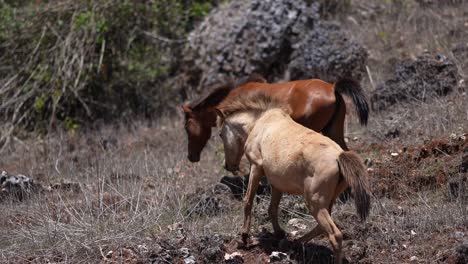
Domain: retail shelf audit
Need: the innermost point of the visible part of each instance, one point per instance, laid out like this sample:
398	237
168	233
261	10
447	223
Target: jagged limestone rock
416	80
281	39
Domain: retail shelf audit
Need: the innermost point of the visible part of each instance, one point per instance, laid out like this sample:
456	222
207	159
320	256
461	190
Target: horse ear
219	113
186	108
220	117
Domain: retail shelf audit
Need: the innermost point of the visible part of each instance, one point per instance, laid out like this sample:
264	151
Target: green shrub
68	63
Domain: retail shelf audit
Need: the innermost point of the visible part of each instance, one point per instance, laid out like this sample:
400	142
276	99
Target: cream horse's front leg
256	173
273	212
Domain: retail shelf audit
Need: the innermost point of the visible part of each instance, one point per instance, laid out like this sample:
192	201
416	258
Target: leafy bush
65	63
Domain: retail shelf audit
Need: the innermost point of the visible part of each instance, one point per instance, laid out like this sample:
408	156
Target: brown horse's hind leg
335	127
273	212
254	180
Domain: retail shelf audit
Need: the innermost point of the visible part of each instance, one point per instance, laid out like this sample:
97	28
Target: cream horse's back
285	150
295	159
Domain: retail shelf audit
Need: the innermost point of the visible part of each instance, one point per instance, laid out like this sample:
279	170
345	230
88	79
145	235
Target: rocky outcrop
416	80
279	39
328	54
17	186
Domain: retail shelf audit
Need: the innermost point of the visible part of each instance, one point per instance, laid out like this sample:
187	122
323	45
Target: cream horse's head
237	116
234	131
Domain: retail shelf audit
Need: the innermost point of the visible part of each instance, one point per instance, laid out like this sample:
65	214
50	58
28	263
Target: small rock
413	258
190	260
184	252
453	136
233	256
394	154
277	256
297	223
174	226
143	248
459	234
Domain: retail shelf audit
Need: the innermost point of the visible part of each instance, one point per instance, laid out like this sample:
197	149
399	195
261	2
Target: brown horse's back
313	102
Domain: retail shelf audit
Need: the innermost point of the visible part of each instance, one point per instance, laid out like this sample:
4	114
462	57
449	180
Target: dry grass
135	184
416	122
392	30
129	193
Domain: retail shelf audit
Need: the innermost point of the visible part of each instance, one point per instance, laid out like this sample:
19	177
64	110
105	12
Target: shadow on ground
266	246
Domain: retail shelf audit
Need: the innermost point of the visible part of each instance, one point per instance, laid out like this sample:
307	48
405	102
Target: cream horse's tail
355	174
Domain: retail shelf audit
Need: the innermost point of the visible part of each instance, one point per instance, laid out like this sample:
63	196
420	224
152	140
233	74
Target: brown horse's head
198	127
200	116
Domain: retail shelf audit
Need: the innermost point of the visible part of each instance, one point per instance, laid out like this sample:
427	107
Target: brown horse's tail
353	89
355	174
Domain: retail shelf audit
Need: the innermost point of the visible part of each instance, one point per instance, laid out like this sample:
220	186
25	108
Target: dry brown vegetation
140	201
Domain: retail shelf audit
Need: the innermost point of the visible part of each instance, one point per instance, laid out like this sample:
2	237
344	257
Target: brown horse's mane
256	101
213	96
219	91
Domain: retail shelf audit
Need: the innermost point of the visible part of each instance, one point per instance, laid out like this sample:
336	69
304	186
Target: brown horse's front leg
256	174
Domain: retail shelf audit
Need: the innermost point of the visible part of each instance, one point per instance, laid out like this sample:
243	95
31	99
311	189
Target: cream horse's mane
256	101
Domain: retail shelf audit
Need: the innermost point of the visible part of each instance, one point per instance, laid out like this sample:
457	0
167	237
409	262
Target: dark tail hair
355	174
353	89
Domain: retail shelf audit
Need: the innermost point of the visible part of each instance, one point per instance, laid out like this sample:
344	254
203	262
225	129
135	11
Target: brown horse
315	104
294	159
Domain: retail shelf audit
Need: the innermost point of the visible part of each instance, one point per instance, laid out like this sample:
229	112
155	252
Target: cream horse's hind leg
318	200
334	234
273	211
317	229
256	174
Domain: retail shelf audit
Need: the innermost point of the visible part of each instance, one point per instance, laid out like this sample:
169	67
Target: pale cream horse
295	160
